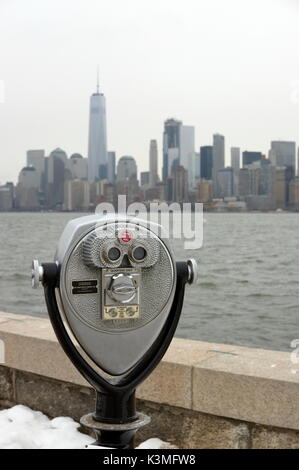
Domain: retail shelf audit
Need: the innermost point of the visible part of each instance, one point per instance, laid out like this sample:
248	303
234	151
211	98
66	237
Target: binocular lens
139	253
114	254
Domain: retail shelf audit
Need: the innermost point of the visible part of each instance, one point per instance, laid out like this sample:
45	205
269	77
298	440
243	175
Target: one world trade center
97	141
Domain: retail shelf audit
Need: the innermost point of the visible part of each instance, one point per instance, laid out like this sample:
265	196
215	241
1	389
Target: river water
247	293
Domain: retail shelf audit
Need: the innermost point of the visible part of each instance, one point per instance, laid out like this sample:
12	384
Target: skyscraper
218	160
171	146
250	157
225	178
55	171
192	169
294	193
281	187
153	163
97	144
111	167
145	178
235	164
178	147
126	168
77	167
36	158
284	153
206	162
187	145
180	185
235	158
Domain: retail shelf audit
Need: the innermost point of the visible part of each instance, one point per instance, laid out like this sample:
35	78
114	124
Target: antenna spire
98	80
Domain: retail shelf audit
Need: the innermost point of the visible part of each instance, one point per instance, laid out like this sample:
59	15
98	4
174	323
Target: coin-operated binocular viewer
114	294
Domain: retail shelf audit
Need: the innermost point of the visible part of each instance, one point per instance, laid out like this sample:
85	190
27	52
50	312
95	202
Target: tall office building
187	145
283	154
244	187
266	177
218	161
76	195
180	185
36	158
294	194
144	178
178	146
225	178
6	198
153	163
97	144
111	167
251	157
235	154
192	169
281	188
197	165
126	168
262	182
204	193
55	171
171	146
206	162
77	167
27	190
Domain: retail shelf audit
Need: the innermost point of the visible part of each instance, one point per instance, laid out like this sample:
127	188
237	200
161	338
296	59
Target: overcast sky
228	66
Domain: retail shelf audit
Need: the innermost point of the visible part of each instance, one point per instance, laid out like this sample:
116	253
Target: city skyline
92	127
59	182
222	85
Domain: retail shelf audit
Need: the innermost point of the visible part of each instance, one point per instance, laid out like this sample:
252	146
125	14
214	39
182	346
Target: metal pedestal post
115	436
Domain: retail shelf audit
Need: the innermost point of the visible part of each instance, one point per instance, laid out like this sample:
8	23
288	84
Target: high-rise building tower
235	164
251	157
218	161
77	167
171	146
97	144
206	162
36	158
284	154
225	177
55	172
126	168
178	146
187	144
153	163
192	169
235	154
180	185
111	167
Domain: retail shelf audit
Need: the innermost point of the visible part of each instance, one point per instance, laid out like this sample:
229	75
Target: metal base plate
89	422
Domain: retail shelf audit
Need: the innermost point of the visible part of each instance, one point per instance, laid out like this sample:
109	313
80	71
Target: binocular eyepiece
114	294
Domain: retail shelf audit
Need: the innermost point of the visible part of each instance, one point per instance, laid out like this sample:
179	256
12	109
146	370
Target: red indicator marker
126	237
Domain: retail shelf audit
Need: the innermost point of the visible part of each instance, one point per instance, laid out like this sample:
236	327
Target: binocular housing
114	294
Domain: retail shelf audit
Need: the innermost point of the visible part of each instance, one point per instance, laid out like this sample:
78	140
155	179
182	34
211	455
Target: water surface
249	275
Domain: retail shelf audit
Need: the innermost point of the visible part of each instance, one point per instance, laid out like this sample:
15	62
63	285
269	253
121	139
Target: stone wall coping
230	381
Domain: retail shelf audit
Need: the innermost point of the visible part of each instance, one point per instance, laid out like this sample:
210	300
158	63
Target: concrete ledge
228	382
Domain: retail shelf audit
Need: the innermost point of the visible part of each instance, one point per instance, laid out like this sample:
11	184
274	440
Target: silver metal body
140	292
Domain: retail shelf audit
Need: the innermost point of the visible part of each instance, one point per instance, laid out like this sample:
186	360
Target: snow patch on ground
23	428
